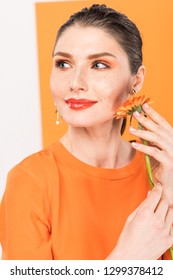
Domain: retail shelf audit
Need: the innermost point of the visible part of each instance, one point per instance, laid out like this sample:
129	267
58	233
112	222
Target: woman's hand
159	133
148	231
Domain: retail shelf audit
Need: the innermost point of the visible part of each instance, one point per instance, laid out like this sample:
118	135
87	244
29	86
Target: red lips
79	104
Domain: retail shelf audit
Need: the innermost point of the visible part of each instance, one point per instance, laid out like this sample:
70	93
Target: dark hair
116	24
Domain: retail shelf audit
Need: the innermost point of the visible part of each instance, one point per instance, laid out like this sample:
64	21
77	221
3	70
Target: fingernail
146	106
132	129
137	114
134	144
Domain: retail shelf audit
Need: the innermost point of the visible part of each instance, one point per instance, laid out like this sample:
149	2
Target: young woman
86	196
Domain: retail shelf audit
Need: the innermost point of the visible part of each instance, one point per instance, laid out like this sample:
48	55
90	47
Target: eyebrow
91	56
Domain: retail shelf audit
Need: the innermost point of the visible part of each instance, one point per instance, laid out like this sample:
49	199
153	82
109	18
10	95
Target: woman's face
90	76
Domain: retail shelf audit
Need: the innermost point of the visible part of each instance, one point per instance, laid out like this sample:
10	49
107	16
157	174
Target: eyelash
100	62
58	64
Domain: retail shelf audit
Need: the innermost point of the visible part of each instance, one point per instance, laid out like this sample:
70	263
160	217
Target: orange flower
132	104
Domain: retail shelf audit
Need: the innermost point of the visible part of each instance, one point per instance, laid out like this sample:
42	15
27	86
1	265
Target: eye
100	65
62	64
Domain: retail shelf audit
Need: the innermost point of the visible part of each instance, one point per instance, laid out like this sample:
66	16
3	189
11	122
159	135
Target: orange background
155	21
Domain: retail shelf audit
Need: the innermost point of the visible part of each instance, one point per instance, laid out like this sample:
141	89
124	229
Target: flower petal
133	103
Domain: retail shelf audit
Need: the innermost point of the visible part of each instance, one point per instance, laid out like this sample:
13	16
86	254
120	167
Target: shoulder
37	162
39	169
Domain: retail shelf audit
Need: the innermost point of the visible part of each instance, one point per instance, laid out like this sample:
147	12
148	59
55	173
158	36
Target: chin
84	119
85	124
80	124
77	121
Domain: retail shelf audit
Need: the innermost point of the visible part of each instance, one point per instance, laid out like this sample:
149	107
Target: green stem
171	252
147	159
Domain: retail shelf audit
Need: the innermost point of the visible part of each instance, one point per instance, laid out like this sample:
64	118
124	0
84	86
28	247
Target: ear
138	78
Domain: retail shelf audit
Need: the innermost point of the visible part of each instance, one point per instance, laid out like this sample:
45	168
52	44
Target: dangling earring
58	116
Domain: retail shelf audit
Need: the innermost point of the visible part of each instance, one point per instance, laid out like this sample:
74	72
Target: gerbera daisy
132	104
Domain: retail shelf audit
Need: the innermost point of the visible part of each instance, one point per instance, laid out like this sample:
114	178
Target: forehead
78	38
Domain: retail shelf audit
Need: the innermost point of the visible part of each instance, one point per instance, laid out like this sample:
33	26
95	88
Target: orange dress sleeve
25	223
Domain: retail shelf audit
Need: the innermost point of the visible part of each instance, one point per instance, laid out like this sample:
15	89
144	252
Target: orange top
57	207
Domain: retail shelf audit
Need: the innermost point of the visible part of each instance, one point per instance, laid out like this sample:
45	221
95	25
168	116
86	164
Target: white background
20	122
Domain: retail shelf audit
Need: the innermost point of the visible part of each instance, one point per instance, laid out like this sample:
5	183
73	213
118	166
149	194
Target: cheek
117	92
111	87
55	86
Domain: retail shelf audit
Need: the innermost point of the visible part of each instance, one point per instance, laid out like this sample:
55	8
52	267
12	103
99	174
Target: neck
100	146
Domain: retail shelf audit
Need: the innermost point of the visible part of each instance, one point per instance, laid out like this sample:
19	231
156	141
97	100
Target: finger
169	218
145	122
156	117
162	210
171	234
154	152
154	197
153	138
159	130
170	238
169	225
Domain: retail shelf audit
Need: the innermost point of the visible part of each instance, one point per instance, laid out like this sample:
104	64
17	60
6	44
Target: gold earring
58	116
133	91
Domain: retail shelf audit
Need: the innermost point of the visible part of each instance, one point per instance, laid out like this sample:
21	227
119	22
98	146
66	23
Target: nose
78	80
